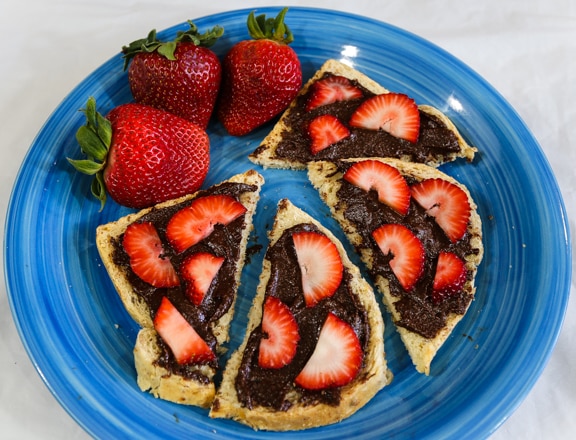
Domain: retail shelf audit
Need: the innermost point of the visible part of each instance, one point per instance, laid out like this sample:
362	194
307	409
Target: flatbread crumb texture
373	376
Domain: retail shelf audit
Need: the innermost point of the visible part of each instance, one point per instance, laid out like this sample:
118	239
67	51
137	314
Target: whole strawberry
141	155
261	76
180	76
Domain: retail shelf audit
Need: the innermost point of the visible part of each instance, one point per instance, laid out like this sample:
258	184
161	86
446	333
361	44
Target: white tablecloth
525	48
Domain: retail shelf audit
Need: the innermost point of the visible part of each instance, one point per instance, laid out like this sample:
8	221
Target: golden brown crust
265	154
161	383
372	378
326	180
158	380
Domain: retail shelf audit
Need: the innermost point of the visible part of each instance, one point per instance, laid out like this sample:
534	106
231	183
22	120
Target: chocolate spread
257	386
417	310
217	301
434	141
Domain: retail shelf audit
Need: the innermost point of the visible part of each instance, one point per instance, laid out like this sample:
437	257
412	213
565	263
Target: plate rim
11	216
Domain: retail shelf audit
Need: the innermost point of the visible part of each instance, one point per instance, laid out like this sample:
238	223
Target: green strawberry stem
167	48
260	27
94	139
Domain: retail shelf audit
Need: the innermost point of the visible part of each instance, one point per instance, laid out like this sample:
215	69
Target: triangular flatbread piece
419	234
177	267
290	145
313	353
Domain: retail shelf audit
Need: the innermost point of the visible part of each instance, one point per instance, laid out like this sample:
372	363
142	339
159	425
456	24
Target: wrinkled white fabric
525	48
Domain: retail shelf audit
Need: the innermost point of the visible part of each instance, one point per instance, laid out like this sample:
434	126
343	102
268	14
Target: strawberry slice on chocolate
147	256
324	131
394	113
302	366
386	180
185	343
406	251
278	346
192	224
336	359
198	272
332	89
450	276
447	203
320	265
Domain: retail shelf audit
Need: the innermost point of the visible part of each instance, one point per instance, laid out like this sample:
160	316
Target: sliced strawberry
142	244
186	345
336	359
386	180
324	131
198	271
320	265
407	251
196	222
332	89
450	276
394	113
447	203
278	347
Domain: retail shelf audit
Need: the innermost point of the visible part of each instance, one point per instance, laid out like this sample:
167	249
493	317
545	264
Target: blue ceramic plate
80	338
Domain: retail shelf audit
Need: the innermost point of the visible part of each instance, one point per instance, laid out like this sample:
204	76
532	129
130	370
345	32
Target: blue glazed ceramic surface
80	339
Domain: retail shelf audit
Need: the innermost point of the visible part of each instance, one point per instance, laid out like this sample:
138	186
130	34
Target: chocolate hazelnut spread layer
342	113
418	312
434	140
258	386
313	352
222	242
410	267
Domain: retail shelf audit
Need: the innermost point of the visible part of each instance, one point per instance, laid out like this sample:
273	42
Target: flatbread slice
288	145
359	194
260	393
197	298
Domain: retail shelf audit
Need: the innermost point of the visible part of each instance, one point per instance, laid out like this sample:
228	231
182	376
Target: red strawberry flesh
278	346
184	342
144	247
149	147
386	180
320	265
450	276
186	86
394	113
337	357
192	224
407	251
181	76
332	89
261	76
324	131
134	154
447	203
198	271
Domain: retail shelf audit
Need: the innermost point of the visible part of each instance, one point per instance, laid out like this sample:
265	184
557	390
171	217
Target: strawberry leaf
90	143
104	129
86	166
94	139
98	189
280	28
207	39
90	112
260	27
167	48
